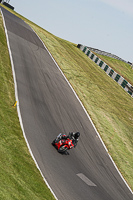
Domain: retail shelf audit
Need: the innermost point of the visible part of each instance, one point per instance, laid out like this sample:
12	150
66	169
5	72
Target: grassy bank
109	106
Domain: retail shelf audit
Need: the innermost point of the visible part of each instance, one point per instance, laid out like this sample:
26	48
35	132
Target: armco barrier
110	72
104	53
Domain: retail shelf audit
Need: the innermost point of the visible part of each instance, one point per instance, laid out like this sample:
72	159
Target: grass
109	106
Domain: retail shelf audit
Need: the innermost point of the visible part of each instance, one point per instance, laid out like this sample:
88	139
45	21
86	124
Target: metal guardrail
104	53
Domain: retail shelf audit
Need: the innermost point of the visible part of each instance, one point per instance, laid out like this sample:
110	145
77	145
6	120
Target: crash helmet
76	135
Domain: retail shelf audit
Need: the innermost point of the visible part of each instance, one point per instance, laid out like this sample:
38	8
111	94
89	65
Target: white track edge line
86	113
18	109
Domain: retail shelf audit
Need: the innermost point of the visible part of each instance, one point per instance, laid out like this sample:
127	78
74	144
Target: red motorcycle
62	145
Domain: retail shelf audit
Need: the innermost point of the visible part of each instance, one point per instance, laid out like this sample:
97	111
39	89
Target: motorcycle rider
73	136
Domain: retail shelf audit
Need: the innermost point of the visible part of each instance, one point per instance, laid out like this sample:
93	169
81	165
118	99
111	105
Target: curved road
48	106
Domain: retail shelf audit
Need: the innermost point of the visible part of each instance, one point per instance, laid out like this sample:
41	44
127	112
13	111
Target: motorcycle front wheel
62	149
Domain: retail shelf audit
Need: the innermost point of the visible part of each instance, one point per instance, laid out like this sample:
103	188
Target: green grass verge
109	106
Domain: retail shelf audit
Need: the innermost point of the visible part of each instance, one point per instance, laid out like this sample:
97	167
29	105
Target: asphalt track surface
48	106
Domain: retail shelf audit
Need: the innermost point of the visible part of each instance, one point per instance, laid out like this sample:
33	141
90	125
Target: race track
48	106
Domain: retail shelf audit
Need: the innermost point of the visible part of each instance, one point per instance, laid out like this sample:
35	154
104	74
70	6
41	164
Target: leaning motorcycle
62	145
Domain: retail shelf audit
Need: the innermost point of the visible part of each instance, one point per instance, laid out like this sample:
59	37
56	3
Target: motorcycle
62	145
